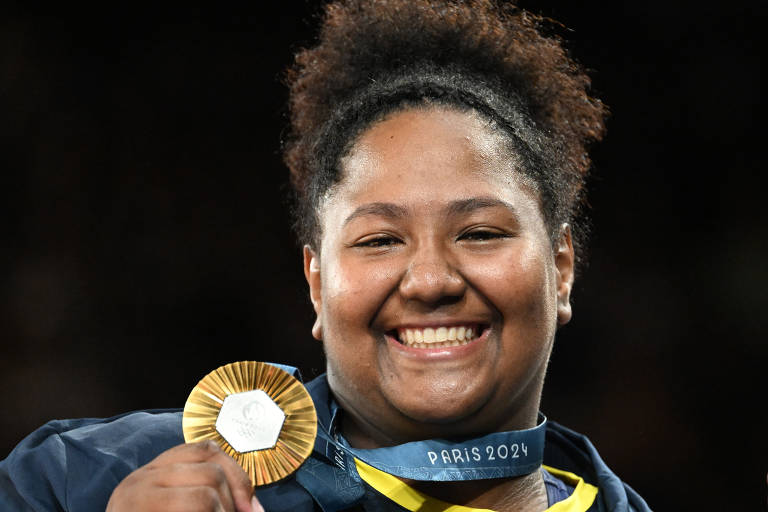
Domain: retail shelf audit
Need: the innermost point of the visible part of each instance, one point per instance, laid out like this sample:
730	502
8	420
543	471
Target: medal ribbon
496	455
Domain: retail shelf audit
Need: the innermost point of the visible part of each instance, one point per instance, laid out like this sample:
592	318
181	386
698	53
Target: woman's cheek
369	279
519	285
503	279
354	290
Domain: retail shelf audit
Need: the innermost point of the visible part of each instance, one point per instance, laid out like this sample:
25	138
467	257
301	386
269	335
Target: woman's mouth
438	336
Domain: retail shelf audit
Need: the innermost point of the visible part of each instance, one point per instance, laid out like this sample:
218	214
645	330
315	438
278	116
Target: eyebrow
461	206
390	210
464	206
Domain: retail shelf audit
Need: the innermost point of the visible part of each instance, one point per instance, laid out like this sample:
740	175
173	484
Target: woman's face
432	236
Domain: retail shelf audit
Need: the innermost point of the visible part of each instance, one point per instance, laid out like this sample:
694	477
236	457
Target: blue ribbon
496	455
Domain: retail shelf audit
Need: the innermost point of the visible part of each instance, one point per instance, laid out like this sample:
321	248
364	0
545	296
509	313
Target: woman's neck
523	493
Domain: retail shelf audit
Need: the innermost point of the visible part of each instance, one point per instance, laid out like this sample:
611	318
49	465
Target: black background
145	239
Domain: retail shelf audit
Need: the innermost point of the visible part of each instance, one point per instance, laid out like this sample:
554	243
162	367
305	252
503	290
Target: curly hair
375	57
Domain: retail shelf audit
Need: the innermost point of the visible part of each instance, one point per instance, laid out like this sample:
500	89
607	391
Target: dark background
145	241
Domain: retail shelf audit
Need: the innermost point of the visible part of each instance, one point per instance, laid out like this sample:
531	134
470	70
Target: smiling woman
438	151
438	155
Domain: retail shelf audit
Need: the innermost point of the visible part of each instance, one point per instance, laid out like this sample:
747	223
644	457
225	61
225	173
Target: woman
438	154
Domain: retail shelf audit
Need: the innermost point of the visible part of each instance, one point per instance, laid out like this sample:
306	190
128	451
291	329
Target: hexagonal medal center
250	421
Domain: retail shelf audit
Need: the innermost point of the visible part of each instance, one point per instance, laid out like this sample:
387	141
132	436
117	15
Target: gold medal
258	414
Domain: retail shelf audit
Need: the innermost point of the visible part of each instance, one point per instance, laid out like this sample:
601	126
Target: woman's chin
454	415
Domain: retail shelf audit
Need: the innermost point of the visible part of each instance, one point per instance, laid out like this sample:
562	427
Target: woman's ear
312	275
564	264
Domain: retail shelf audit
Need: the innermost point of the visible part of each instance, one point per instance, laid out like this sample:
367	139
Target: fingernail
256	506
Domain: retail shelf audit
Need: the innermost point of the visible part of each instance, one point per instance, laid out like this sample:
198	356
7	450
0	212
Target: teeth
435	337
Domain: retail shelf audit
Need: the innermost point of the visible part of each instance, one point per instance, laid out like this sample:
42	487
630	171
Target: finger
256	505
196	474
189	452
186	499
239	483
166	499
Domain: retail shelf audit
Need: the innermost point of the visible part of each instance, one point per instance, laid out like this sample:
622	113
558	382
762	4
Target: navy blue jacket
74	465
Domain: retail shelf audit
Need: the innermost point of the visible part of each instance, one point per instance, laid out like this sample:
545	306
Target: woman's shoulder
65	463
571	452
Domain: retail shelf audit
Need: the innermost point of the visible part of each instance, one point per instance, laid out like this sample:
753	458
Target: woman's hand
188	478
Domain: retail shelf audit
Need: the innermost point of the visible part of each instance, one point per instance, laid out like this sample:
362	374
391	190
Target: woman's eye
482	234
379	241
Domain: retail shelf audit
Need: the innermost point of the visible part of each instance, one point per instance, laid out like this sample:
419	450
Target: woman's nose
431	278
